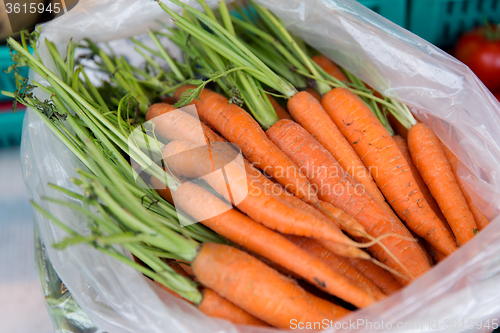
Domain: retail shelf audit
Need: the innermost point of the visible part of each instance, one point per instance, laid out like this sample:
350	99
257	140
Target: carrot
479	218
240	229
348	223
238	127
186	267
314	94
184	158
438	256
435	169
168	120
342	220
215	306
338	188
345	221
176	266
389	169
184	129
337	263
159	109
329	66
258	289
379	276
168	99
399	128
403	147
309	113
325	210
162	190
280	111
270	290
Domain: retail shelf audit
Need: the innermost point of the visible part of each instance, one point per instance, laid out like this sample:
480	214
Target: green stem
269	39
287	39
164	54
256	100
229	47
167	277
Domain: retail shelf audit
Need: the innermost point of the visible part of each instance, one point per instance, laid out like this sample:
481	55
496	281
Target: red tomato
497	95
480	50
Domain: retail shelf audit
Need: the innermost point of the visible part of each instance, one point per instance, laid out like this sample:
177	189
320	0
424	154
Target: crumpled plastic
458	295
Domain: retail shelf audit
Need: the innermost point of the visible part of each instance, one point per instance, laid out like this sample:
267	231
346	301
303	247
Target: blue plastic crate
393	10
10	123
7	79
441	22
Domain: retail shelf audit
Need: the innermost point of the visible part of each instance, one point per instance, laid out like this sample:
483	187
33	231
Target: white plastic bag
462	291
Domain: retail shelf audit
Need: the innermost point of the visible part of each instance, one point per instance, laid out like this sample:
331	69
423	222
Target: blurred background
22	308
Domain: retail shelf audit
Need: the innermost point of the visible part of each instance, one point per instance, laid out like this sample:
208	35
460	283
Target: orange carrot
438	256
183	126
399	128
329	66
159	109
215	306
338	188
184	158
379	276
435	169
258	289
309	113
403	147
314	94
345	221
238	127
168	99
479	218
240	229
162	190
337	263
280	111
389	169
186	267
185	129
176	266
168	120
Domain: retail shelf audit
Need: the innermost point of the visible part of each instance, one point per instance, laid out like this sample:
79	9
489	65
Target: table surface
22	309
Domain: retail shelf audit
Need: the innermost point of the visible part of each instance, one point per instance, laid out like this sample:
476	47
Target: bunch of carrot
317	182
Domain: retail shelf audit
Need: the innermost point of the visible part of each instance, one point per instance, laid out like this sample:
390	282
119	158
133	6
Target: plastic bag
458	295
